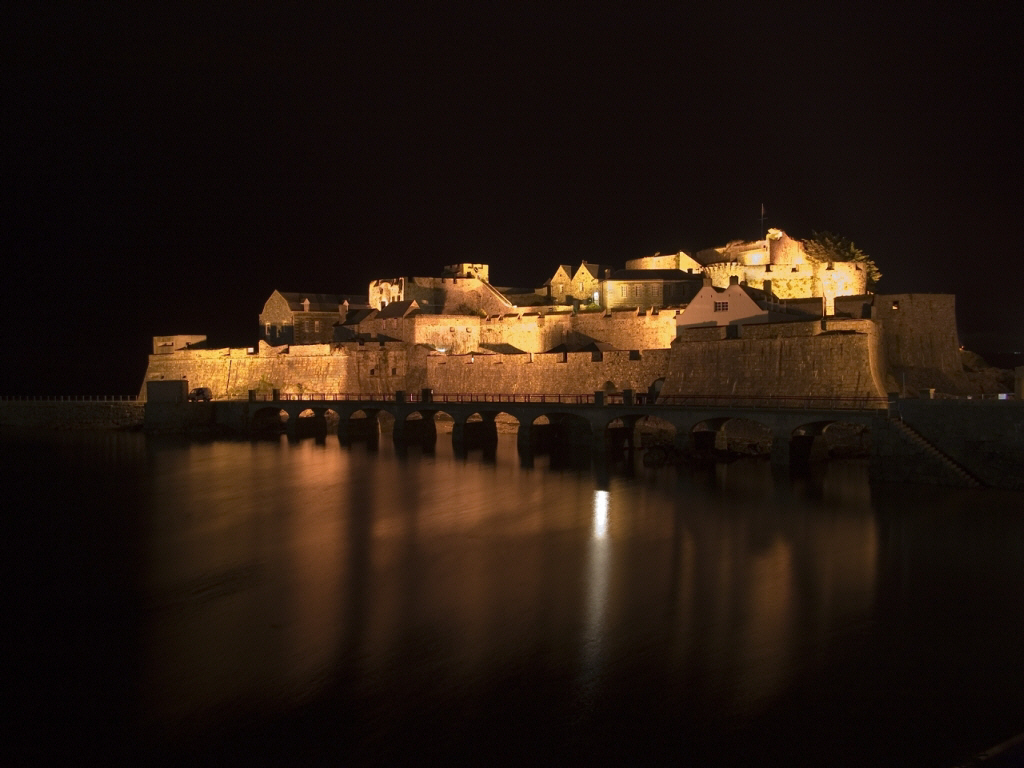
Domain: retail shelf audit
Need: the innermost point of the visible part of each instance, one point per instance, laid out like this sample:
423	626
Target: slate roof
399	309
318	302
502	349
654	274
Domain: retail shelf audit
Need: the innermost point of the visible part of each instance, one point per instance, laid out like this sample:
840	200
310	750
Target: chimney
734	280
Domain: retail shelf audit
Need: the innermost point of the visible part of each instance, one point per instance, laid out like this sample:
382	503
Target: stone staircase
916	438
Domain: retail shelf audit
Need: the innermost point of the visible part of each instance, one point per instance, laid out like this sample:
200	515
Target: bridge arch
269	420
827	439
737	434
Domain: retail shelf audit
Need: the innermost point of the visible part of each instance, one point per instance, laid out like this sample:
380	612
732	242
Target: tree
826	246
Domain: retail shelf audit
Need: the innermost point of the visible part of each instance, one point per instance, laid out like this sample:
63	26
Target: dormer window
305	305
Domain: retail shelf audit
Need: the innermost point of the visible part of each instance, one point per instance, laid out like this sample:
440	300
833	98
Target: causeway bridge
598	420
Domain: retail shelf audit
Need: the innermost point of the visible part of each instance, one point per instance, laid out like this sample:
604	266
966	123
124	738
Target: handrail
816	402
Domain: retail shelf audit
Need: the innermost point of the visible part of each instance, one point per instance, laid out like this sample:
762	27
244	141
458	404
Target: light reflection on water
273	563
691	608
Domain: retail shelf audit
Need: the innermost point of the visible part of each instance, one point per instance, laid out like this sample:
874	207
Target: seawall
985	437
72	414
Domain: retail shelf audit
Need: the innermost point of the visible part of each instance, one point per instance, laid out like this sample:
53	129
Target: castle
747	319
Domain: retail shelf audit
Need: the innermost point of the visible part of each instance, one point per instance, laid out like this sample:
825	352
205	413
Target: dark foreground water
235	603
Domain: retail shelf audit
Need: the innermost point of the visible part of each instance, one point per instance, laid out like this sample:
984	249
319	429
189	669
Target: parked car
200	395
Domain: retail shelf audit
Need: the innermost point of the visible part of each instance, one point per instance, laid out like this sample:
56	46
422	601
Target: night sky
166	166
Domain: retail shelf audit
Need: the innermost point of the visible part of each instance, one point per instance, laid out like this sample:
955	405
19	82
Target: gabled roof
596	270
399	309
356	316
318	302
566	268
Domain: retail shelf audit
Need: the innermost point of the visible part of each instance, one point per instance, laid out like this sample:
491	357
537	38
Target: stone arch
821	440
269	420
734	434
651	429
364	424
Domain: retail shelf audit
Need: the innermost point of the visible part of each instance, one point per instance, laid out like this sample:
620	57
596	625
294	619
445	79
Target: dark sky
166	166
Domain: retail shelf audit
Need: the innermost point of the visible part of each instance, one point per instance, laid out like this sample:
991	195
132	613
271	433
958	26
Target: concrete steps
916	438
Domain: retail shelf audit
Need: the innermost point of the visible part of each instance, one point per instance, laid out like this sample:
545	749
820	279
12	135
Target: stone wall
921	342
71	414
771	360
569	373
986	437
841	359
371	368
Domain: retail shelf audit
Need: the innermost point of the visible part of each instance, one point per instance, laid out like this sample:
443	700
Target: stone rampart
568	373
773	359
921	342
373	367
843	365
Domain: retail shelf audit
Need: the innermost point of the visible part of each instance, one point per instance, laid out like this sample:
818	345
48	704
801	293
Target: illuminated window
622	291
895	305
721	306
636	290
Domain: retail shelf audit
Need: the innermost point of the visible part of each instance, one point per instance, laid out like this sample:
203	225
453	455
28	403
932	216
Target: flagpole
762	221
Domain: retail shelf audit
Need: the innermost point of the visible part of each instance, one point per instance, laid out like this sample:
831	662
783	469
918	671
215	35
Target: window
895	305
636	290
623	291
316	326
267	333
394	371
373	371
721	306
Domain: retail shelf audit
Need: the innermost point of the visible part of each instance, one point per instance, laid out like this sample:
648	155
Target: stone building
779	264
645	288
580	287
301	318
452	294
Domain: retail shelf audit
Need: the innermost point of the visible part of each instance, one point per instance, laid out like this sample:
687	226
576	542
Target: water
267	603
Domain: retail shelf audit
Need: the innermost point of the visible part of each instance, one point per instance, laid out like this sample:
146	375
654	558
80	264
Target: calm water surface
268	603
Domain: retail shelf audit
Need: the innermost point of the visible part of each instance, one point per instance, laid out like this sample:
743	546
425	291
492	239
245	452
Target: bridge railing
807	402
496	398
640	398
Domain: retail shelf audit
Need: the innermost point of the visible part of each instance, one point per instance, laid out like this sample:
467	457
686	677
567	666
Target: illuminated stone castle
748	319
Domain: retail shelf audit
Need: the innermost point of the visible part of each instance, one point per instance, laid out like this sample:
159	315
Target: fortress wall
627	330
233	372
921	332
826	365
530	332
459	334
315	368
572	373
845	278
668	261
780	330
922	348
